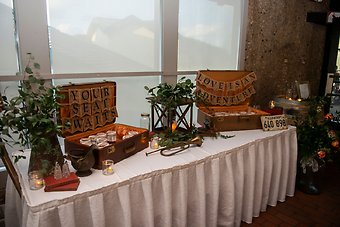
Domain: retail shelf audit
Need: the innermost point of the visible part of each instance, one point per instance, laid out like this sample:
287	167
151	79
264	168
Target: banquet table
221	183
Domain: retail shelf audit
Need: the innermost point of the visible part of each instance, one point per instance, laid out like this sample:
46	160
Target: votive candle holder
36	180
107	167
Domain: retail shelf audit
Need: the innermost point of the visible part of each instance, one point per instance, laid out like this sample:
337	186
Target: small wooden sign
87	106
274	122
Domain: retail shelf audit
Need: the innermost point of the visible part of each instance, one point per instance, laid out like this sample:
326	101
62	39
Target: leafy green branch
172	95
31	114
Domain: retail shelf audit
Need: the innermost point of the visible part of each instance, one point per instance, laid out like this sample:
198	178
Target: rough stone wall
282	47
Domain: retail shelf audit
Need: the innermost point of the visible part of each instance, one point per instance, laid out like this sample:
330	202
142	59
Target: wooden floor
306	210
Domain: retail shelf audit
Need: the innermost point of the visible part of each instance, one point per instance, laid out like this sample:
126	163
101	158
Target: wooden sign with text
87	106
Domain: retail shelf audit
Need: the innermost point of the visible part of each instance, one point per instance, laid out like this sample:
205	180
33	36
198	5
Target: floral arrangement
317	141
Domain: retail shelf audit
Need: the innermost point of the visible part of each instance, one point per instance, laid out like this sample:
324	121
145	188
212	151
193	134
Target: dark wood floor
306	210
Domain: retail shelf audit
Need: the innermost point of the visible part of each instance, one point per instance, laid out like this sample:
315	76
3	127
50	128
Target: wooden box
90	109
230	118
225	105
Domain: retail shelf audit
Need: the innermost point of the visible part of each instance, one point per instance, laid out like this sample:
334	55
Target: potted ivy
31	115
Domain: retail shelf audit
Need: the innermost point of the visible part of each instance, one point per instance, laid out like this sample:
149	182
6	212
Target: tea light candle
35	180
107	167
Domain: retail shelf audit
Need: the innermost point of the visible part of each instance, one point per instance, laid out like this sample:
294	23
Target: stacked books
69	183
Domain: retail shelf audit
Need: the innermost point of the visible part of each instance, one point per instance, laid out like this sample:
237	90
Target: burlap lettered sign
225	92
88	108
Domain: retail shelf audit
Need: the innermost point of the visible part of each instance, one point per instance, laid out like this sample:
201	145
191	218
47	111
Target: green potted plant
31	115
317	144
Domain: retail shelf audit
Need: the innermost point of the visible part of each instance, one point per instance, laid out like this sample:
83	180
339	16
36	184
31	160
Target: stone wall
282	47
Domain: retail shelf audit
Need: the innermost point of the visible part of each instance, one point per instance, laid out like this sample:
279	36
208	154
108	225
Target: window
104	35
8	53
132	42
209	34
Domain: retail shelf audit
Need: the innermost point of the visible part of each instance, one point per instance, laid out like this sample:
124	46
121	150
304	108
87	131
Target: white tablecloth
218	184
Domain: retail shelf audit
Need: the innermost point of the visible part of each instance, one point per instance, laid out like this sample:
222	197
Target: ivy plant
31	114
172	95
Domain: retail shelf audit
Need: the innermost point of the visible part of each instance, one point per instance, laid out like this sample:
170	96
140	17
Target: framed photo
303	89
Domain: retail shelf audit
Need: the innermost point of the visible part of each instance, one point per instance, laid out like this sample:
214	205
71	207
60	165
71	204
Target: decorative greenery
172	95
169	138
317	142
31	114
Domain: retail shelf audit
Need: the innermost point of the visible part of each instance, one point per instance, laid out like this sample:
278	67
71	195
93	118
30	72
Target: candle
38	183
271	104
35	180
173	126
107	167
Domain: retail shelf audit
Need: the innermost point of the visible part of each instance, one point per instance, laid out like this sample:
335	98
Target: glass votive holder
271	104
107	167
101	135
154	144
111	136
35	180
93	139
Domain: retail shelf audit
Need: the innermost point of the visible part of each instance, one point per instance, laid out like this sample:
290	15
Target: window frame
29	27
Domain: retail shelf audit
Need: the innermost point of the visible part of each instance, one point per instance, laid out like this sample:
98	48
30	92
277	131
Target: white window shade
209	34
104	36
8	53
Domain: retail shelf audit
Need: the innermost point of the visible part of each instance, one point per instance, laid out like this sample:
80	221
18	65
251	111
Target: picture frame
303	89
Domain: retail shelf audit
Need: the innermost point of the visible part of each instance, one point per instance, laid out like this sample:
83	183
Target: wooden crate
89	109
226	95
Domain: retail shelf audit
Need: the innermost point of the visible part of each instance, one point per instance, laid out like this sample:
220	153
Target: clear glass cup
107	167
154	144
145	121
36	180
111	136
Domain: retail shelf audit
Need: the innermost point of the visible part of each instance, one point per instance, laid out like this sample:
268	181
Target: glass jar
145	121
